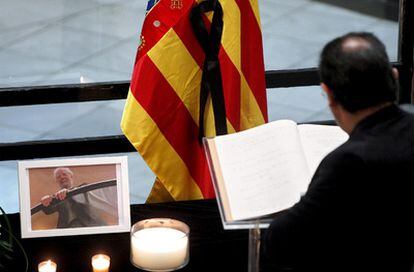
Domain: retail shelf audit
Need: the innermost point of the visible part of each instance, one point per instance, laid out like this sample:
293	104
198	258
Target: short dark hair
359	76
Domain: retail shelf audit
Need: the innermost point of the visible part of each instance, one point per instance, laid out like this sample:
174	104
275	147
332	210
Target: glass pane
60	121
46	42
102	118
141	179
300	104
74	41
295	31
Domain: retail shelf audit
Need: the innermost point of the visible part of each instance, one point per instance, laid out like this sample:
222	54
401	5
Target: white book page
317	142
262	168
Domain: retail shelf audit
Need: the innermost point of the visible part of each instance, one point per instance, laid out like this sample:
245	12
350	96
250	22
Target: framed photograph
74	196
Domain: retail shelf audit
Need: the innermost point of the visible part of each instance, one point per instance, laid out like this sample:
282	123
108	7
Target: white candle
159	248
47	266
100	263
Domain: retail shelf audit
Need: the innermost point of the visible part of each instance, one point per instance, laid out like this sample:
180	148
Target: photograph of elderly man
67	199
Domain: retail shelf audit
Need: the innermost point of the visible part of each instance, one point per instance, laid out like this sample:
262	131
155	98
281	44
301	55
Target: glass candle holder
47	266
100	263
159	244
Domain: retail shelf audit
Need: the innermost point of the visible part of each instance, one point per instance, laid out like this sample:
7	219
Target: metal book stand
254	248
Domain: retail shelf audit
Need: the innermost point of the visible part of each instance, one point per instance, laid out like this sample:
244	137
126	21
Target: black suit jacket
357	214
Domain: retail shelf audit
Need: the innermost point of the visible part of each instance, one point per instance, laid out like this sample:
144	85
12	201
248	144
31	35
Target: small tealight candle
159	244
100	263
47	266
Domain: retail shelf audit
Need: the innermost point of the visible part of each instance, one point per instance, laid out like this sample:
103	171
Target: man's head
355	67
356	74
63	177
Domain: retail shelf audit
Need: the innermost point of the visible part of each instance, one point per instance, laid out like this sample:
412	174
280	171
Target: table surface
211	247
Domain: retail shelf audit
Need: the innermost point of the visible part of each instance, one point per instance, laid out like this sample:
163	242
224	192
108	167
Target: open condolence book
264	170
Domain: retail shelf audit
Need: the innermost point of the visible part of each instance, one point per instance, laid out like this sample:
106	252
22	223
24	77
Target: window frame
37	95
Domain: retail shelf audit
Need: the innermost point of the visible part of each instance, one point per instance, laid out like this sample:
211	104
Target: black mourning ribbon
211	82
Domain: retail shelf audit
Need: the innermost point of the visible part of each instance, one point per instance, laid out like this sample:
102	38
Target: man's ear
395	73
329	94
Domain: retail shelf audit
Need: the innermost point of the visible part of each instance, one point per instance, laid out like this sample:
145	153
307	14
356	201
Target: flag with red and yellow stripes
161	115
